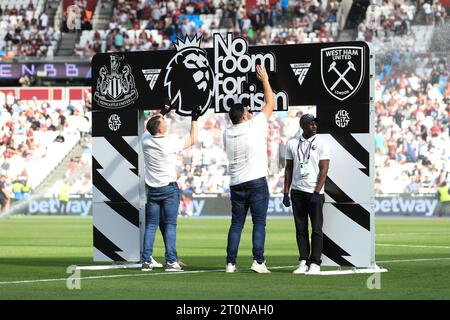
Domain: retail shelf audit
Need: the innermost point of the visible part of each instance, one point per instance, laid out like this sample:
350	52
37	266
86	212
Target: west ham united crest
115	87
342	70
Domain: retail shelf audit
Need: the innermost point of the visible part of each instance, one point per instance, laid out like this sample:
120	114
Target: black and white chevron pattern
348	202
116	198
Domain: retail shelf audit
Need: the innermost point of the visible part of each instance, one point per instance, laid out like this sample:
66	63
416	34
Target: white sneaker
313	269
155	264
259	268
230	268
302	268
173	267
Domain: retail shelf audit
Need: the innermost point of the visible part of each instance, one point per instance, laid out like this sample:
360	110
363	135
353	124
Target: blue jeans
162	206
253	195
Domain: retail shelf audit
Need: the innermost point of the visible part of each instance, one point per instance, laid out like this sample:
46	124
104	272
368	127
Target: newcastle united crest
115	87
342	70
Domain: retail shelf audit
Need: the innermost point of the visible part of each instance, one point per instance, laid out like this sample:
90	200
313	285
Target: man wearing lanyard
245	144
163	199
307	162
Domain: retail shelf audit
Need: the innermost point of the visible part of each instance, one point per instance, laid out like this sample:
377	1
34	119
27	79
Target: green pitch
416	251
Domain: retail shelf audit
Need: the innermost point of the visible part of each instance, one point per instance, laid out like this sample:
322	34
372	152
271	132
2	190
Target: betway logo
402	206
54	206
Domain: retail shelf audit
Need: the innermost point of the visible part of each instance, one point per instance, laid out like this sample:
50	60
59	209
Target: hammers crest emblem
342	70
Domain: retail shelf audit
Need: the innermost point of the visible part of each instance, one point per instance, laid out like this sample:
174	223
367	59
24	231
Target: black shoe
146	266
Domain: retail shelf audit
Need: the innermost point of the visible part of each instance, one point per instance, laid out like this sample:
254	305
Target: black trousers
302	208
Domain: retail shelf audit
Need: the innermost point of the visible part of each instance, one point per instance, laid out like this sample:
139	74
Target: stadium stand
413	108
24	30
37	135
78	174
389	26
139	25
412	94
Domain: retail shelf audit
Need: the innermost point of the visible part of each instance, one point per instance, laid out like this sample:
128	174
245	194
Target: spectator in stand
4	194
43	19
186	206
427	11
17	189
443	193
25	80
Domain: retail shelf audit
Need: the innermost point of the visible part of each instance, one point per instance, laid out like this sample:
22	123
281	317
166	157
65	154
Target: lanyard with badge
303	161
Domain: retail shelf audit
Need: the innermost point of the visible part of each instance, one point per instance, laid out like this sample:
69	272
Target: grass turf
33	248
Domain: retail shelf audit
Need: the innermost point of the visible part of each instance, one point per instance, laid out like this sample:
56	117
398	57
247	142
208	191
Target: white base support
111	267
372	269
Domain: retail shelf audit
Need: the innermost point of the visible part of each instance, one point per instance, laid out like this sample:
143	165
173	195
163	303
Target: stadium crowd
154	25
78	176
433	11
386	20
24	30
413	123
37	133
388	24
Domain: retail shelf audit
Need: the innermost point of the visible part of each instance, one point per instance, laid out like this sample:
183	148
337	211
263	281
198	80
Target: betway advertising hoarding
406	204
79	205
400	204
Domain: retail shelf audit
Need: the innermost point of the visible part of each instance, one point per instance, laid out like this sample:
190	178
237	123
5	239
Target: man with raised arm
163	195
245	144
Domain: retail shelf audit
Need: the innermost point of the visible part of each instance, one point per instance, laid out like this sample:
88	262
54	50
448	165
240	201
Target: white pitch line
411	246
282	267
127	275
185	272
111	276
34	281
412	233
412	260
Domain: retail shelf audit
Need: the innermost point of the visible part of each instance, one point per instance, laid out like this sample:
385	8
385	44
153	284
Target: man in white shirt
163	195
44	21
307	162
427	11
245	144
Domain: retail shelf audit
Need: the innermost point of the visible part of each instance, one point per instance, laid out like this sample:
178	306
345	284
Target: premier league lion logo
189	78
